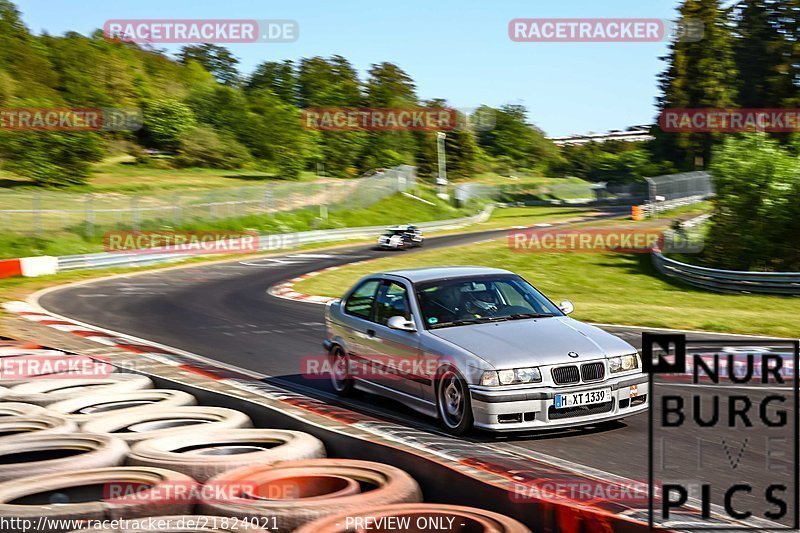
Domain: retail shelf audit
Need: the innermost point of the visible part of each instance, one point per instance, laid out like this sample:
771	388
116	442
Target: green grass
394	209
611	288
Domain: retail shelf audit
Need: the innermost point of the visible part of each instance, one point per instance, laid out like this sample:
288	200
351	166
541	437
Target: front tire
453	402
341	381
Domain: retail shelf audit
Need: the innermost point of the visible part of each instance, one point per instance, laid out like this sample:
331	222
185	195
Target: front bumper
533	407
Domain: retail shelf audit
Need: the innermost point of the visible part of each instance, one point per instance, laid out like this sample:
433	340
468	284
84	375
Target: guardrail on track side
266	243
729	281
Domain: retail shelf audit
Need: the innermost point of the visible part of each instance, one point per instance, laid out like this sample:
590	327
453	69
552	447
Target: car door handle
370	332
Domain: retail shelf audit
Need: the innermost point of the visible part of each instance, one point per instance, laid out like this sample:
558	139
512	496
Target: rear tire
341	381
453	402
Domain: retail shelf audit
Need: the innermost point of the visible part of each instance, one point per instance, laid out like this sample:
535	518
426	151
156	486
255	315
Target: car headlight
623	363
493	378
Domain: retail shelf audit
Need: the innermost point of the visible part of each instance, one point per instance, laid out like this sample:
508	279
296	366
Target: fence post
176	211
267	201
323	205
37	213
88	215
135	213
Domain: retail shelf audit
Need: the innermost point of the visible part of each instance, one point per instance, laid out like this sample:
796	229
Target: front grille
583	410
593	371
564	375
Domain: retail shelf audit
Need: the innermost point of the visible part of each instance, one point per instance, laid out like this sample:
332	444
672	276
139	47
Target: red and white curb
286	289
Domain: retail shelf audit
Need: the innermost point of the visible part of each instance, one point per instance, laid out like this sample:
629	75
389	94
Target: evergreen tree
758	48
699	74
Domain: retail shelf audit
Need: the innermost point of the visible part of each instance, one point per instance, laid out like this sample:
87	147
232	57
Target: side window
392	301
360	302
512	296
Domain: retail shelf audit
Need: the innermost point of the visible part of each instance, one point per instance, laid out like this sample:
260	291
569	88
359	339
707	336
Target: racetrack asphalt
222	311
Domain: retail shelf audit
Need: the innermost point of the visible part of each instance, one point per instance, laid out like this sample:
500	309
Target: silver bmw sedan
479	347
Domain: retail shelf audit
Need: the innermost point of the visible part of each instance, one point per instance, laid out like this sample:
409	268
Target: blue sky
454	49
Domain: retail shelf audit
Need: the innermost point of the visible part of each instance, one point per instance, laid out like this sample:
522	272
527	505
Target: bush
51	159
203	147
290	165
756	220
167	123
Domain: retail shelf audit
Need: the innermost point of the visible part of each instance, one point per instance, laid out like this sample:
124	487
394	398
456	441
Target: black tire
342	383
453	402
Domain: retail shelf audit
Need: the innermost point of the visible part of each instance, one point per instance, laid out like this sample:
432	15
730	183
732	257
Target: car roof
417	275
402	227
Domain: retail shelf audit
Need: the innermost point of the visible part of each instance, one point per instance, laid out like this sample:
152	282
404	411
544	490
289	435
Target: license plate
576	399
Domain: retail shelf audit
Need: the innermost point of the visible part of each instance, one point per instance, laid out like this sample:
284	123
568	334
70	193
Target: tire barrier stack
114	452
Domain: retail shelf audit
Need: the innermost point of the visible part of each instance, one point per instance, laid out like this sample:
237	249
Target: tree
278	77
214	58
758	49
322	82
167	122
513	137
50	159
756	219
786	14
698	75
203	147
21	56
334	83
389	86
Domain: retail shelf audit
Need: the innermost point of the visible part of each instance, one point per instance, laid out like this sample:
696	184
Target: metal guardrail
266	243
729	281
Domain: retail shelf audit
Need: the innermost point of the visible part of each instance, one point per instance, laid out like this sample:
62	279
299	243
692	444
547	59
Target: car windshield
457	302
389	233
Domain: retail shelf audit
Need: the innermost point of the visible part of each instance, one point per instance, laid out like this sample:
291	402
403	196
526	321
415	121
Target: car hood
534	342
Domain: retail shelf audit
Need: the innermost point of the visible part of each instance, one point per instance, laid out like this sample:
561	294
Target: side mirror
400	323
566	307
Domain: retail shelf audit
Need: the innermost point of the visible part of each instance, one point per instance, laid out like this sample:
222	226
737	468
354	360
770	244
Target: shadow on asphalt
393	411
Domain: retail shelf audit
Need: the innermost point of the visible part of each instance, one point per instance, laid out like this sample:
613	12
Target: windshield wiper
486	319
460	322
520	316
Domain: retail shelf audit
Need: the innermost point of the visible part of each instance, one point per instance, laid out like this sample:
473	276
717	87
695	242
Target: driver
481	302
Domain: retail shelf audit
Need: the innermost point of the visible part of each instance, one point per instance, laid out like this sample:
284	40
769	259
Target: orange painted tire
420	518
297	492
